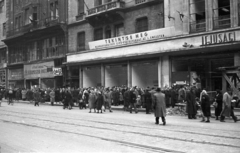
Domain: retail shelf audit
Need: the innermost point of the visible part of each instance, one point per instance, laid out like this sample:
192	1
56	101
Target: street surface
45	129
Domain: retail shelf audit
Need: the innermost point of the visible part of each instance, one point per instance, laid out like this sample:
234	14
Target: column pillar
165	71
102	75
160	72
237	59
80	77
25	84
129	74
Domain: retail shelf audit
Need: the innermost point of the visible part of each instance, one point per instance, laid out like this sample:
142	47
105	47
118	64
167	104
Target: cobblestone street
25	128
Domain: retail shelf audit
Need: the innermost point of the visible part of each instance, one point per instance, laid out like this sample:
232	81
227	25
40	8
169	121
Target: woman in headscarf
206	106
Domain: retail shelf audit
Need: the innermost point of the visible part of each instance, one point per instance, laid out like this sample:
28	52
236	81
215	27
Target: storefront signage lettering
218	38
40	70
15	74
133	38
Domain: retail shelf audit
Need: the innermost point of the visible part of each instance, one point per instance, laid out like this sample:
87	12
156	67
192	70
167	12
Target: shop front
188	60
15	78
42	75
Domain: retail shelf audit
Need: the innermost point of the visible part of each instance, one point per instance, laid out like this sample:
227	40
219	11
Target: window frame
95	34
81	41
142	27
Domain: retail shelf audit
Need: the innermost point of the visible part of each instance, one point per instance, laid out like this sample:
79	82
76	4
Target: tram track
131	132
135	126
126	143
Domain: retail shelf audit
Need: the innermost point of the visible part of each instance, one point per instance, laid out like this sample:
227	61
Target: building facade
3	47
152	42
37	44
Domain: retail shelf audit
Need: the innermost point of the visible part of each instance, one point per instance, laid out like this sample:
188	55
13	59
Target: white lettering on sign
133	38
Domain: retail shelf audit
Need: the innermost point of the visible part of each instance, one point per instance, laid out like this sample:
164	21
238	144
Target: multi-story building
3	47
152	42
36	40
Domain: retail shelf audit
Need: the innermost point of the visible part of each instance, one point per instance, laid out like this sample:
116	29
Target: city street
25	128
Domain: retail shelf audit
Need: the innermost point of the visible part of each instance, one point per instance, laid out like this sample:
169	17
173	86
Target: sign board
15	74
132	38
57	71
39	70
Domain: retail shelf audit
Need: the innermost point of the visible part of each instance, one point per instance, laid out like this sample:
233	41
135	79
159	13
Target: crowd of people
99	99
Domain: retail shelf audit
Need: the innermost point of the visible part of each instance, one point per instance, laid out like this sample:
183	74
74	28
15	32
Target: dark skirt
206	109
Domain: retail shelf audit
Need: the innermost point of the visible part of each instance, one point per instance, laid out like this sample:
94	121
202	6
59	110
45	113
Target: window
119	30
1	5
108	33
81	41
34	15
142	24
80	6
52	11
107	1
97	2
16	23
197	16
27	15
4	29
98	34
221	14
56	9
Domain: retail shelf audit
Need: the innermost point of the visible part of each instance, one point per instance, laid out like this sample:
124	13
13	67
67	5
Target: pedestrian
52	97
219	102
99	101
159	106
24	93
37	97
148	100
206	106
227	110
1	96
132	100
108	101
68	100
92	101
10	96
126	99
191	104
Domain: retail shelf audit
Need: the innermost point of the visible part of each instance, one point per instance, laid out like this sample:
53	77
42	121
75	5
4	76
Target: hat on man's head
158	89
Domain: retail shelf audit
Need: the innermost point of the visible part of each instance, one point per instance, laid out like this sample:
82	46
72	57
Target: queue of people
99	99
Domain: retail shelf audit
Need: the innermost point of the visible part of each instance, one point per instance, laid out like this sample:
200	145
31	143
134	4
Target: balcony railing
198	26
106	7
54	52
20	30
46	22
222	22
137	2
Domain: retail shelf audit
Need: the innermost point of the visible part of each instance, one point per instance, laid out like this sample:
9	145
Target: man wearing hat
159	106
148	100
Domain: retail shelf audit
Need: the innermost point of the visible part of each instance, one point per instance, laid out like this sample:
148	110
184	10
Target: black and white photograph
119	76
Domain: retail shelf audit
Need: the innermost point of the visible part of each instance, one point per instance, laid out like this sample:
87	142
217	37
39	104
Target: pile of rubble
175	111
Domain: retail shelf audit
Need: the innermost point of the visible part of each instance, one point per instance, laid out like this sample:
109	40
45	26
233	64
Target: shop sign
133	38
57	71
39	70
218	38
15	74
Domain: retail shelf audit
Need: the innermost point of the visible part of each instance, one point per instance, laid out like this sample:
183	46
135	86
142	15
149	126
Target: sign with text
57	71
219	38
15	74
133	38
39	70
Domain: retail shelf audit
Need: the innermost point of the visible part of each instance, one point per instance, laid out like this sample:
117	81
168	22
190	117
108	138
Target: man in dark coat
99	101
126	99
37	97
148	100
132	100
67	100
218	109
191	104
159	106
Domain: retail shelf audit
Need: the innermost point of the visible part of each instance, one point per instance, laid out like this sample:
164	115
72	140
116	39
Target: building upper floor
3	20
95	20
29	15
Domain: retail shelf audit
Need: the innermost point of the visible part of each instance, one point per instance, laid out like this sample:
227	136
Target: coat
191	103
219	100
159	104
91	101
226	110
206	105
52	96
99	101
37	96
24	93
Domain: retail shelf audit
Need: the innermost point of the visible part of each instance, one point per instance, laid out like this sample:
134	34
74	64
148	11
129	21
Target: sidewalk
118	108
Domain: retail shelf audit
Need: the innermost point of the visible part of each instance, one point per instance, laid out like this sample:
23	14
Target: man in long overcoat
148	100
191	104
159	106
99	101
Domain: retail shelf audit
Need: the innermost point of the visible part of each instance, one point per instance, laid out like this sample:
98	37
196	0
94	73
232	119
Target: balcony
46	22
198	26
222	22
138	2
105	13
18	31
